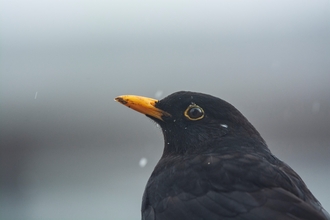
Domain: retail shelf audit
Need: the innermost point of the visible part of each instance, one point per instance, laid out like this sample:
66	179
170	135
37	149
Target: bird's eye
194	112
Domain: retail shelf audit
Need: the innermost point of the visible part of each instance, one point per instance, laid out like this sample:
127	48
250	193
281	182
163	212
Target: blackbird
215	165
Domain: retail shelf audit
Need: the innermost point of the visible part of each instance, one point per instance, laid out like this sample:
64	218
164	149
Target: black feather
219	167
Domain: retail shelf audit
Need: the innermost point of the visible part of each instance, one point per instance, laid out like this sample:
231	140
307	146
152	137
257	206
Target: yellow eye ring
194	112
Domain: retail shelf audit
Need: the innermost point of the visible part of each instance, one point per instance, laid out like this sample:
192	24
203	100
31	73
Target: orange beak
143	105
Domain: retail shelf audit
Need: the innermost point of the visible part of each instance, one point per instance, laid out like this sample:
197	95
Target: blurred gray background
68	151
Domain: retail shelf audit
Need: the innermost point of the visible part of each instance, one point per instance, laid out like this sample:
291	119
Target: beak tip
121	100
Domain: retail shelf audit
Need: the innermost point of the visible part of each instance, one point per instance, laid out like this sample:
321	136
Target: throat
176	145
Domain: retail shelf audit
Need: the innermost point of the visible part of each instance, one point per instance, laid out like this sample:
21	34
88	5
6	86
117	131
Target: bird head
193	122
